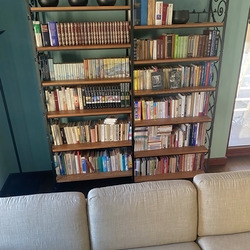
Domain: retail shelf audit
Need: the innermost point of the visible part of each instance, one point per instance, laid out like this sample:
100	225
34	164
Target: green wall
20	82
234	41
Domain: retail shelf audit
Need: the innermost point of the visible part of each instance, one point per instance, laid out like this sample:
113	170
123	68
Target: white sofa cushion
142	214
239	241
44	221
177	246
223	202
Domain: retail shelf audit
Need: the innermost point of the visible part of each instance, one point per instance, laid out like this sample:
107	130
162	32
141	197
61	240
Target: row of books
87	97
90	131
78	162
168	164
152	12
81	33
174	106
182	135
177	46
93	68
177	76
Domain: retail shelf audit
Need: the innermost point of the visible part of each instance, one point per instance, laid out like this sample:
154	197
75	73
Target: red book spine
164	13
56	100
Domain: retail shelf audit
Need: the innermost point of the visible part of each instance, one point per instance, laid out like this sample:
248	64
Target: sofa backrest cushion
44	221
223	202
142	214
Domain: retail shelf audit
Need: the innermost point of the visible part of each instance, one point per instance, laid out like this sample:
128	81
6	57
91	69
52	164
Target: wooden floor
233	164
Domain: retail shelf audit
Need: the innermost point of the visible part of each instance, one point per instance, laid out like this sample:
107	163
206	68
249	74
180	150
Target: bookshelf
203	123
116	89
154	153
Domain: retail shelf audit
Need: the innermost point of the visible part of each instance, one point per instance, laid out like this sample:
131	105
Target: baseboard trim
217	161
238	151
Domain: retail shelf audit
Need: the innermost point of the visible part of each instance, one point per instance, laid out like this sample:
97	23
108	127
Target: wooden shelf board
169	121
85	81
170	176
170	151
79	8
91	145
174	91
176	60
177	26
93	176
84	47
88	112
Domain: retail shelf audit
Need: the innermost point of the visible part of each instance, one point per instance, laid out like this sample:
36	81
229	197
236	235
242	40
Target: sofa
210	212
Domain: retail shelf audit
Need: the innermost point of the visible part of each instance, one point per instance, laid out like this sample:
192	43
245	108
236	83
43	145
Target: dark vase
78	2
180	16
106	2
48	3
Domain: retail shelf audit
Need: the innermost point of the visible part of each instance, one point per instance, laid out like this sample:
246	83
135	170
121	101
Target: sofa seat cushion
142	214
225	242
44	221
223	202
178	246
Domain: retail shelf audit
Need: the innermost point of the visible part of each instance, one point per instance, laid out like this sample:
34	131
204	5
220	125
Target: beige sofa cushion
44	221
239	241
177	246
223	202
142	214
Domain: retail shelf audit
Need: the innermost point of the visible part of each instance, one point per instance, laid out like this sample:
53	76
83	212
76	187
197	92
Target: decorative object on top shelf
106	2
180	16
48	3
78	2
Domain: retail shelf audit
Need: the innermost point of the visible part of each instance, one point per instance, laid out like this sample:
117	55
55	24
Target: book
37	32
170	10
144	12
137	12
45	35
53	34
164	13
151	12
157	80
158	12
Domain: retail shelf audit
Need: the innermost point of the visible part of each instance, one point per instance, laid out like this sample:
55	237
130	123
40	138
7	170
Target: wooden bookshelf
169	121
170	151
79	8
88	112
85	82
177	60
93	176
84	47
169	176
180	26
173	91
91	145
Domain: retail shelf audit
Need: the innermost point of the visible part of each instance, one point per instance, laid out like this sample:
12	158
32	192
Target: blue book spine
144	12
210	77
104	163
84	165
137	12
53	34
213	42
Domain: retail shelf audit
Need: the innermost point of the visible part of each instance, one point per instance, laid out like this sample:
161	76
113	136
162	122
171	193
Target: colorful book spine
144	12
137	12
38	35
53	34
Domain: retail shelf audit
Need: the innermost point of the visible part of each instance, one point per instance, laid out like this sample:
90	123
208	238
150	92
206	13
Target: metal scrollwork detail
218	10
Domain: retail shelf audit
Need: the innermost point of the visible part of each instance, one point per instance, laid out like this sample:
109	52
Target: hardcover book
53	34
45	34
